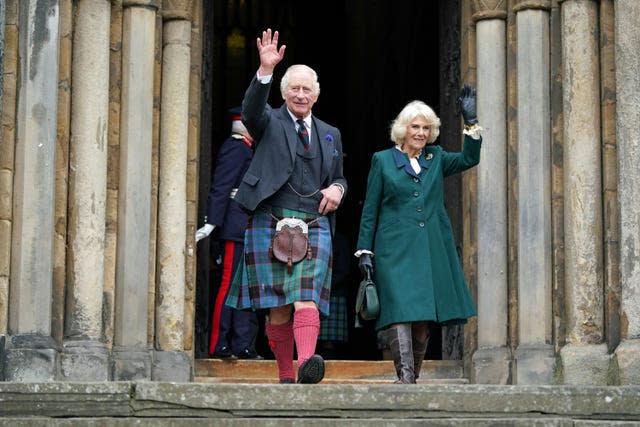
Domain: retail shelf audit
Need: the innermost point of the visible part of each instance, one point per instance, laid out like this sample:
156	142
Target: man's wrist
340	188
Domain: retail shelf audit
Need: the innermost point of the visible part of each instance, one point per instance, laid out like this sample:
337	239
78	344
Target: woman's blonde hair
410	112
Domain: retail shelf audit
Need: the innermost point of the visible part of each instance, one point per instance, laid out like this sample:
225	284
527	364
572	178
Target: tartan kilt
334	327
261	282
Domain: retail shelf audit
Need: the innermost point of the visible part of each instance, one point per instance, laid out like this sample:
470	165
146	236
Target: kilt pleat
261	282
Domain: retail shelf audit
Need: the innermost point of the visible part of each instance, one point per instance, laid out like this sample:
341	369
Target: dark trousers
236	329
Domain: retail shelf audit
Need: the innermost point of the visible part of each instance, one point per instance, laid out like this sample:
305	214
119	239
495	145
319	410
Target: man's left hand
331	197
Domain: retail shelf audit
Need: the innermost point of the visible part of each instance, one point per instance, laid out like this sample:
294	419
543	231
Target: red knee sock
306	327
281	343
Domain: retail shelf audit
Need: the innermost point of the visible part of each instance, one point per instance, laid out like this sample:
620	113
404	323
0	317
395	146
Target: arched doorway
371	58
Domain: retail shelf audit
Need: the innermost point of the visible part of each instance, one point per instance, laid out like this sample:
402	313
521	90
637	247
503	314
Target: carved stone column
170	361
627	16
131	355
31	353
534	361
1	53
85	357
584	359
492	359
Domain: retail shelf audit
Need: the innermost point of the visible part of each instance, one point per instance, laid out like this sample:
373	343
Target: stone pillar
534	359
584	359
131	355
5	212
1	53
31	353
170	361
84	356
627	16
492	359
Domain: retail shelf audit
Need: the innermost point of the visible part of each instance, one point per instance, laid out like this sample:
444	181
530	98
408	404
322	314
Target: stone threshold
336	371
227	402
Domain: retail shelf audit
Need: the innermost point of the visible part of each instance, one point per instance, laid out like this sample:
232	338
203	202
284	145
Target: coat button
421	224
415	179
416	194
419	209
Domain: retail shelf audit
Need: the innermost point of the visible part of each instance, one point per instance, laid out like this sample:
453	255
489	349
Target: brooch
328	137
429	156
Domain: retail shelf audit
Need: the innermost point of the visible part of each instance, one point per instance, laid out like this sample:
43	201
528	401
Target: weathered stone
130	364
84	360
134	204
174	366
627	357
172	215
34	179
584	316
585	365
492	185
30	358
534	365
534	201
88	170
627	13
492	366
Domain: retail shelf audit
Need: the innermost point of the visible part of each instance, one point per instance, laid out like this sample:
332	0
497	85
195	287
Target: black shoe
248	354
312	370
223	353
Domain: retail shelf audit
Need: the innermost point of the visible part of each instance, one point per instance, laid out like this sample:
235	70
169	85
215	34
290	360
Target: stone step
149	403
336	371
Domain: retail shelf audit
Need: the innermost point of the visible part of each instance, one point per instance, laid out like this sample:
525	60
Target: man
233	332
295	177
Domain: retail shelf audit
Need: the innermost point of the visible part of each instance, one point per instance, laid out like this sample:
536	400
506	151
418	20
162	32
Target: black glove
365	264
467	103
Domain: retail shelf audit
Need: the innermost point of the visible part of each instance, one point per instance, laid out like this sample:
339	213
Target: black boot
419	341
399	338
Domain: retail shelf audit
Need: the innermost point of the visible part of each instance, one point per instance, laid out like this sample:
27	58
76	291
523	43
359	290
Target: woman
406	230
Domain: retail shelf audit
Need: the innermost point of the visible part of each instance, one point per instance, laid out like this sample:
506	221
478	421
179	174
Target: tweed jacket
275	142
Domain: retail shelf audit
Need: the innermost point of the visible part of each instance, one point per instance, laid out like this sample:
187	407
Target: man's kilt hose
262	282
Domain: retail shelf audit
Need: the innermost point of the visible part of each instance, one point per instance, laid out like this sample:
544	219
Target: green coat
404	223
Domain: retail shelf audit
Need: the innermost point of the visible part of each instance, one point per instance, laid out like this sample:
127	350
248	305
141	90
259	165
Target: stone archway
371	58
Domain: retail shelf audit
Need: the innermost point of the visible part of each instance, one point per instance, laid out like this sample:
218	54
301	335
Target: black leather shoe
311	371
223	353
248	354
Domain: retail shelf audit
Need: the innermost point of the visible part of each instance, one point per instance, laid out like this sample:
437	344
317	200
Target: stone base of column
84	360
627	357
535	365
492	366
585	364
30	358
130	364
173	366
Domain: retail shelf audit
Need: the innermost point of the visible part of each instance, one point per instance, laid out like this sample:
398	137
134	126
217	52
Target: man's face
299	95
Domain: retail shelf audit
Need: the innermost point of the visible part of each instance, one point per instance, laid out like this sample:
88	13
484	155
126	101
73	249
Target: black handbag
367	302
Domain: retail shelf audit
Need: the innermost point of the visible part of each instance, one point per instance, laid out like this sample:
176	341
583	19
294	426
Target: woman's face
418	131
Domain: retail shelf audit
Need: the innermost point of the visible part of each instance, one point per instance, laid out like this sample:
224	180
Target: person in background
233	332
295	178
406	233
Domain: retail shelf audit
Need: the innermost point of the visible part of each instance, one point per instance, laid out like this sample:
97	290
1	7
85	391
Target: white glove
203	232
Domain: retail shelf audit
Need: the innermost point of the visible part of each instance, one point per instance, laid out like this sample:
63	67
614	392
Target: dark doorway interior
372	57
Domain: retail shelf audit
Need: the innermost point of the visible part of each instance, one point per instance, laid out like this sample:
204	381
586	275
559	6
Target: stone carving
532	4
489	9
176	9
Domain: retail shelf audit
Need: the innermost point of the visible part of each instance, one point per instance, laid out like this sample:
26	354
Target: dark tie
303	134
